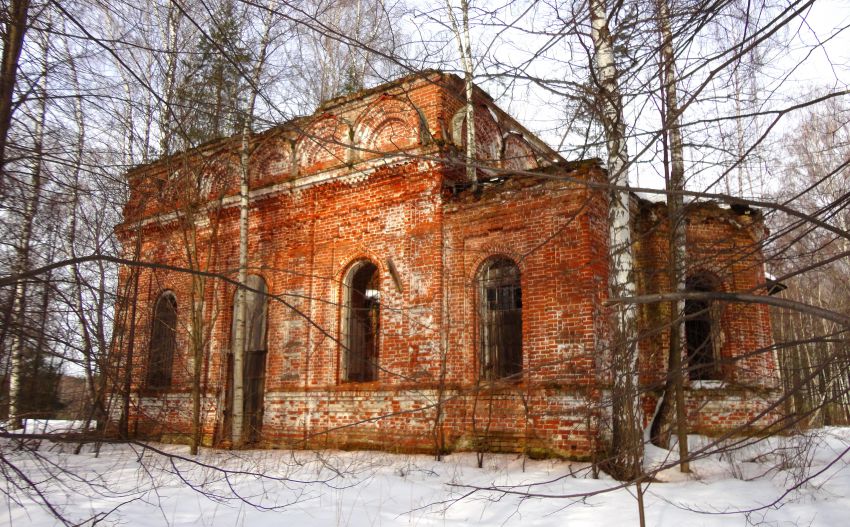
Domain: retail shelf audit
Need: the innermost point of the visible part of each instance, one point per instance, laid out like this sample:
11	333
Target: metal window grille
500	319
163	342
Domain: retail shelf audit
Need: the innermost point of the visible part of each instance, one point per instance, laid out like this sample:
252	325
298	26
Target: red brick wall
727	245
324	199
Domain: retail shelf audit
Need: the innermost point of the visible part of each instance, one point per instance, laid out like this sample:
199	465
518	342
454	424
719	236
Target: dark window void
362	323
163	342
700	328
500	319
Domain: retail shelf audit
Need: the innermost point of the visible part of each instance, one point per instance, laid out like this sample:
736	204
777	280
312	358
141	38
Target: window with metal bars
163	342
500	319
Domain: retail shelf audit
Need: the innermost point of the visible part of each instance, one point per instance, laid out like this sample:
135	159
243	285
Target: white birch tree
626	445
240	334
32	196
460	30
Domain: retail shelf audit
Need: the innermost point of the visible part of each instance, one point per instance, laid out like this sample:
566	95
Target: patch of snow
707	384
652	197
54	426
800	480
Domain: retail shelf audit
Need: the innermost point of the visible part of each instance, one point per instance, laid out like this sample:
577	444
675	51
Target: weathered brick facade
374	177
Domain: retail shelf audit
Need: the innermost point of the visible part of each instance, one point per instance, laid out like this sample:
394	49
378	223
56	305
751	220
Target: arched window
500	319
163	341
700	330
361	323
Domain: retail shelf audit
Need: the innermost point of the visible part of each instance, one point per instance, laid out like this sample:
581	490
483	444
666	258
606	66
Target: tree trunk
23	260
197	345
241	307
674	385
465	48
13	42
167	114
626	446
124	423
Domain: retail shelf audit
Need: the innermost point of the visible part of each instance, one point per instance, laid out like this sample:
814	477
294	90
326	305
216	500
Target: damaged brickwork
372	246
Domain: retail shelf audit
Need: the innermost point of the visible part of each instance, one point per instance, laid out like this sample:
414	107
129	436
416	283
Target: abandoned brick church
394	306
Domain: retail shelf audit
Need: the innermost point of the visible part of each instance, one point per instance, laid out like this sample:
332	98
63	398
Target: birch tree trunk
169	83
198	344
626	445
461	32
238	418
24	255
240	309
92	344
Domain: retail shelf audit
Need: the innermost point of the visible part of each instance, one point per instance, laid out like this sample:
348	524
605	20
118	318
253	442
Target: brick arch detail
517	154
488	134
231	288
272	160
261	274
379	118
489	253
220	173
351	258
164	291
347	261
199	181
720	283
325	143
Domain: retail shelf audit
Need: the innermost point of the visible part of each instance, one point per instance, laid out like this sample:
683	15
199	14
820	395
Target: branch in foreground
744	298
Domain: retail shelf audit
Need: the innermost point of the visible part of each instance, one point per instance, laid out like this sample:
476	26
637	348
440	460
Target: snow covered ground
781	482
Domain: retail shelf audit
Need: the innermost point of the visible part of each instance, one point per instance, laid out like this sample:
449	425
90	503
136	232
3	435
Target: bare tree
814	361
32	197
240	334
809	248
626	441
16	23
343	47
675	184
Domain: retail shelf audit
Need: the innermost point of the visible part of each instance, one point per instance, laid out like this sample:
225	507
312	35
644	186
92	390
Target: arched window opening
700	328
163	342
362	323
254	361
500	319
